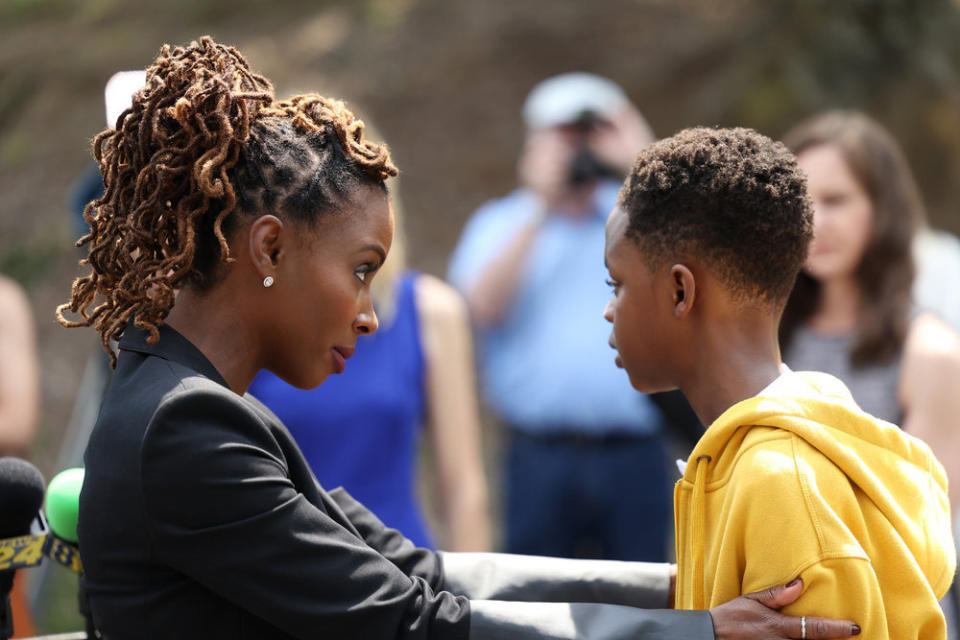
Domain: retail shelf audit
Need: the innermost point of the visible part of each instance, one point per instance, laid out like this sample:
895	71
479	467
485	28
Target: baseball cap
118	94
565	98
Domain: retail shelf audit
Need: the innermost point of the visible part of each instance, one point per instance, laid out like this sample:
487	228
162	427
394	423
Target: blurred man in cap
586	470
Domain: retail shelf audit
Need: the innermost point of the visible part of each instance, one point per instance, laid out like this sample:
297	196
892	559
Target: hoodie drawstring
699	529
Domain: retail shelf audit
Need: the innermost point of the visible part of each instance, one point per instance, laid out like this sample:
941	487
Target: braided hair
202	140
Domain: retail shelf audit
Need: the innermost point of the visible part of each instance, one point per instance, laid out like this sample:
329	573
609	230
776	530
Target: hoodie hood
895	471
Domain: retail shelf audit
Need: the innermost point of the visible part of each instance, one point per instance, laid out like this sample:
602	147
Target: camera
585	166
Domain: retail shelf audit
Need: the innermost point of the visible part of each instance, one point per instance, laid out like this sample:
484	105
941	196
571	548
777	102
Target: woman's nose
366	321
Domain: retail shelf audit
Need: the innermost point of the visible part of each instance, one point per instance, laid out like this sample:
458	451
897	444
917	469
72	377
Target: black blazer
200	518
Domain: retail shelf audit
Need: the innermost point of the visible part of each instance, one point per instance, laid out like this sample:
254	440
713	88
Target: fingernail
856	629
793	582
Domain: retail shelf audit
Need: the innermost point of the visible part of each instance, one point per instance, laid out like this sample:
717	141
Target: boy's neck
735	361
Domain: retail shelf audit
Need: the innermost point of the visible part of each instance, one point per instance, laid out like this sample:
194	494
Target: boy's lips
616	358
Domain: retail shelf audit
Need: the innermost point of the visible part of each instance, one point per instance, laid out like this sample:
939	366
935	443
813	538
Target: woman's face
842	213
321	294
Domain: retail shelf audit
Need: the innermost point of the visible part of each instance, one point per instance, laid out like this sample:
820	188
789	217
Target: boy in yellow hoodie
791	478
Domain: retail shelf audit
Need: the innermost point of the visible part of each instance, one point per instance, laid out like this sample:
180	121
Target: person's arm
495	287
391	544
542	169
748	617
453	422
500	584
19	371
504	576
793	512
930	392
221	508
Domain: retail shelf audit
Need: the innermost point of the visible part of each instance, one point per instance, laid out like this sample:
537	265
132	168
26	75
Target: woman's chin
315	380
826	269
303	379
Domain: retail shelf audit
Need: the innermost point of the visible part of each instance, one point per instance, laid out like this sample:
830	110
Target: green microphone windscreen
63	503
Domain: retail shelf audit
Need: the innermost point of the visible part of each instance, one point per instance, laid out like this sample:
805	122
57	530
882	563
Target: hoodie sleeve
847	588
800	515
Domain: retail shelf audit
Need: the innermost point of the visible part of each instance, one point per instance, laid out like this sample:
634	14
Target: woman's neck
838	309
213	325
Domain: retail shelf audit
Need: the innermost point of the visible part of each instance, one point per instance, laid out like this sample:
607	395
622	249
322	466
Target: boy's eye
613	284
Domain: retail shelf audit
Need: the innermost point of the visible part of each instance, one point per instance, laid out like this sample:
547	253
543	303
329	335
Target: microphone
21	494
62	507
21	497
63	503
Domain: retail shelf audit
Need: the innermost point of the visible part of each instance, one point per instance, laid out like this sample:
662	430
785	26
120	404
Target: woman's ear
266	237
684	289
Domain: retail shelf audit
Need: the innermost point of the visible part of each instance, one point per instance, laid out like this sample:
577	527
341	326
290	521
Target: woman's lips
340	355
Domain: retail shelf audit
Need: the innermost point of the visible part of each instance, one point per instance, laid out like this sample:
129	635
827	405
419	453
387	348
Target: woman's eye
365	272
613	284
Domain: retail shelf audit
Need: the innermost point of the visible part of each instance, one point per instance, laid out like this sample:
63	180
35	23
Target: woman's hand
755	615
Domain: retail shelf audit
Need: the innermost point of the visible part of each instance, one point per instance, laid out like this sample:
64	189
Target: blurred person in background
19	404
89	185
530	266
852	313
936	254
361	429
19	371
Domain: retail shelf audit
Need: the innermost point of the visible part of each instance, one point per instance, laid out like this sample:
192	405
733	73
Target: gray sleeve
500	576
495	620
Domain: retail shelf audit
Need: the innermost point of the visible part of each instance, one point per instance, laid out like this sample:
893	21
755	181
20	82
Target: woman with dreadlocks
238	233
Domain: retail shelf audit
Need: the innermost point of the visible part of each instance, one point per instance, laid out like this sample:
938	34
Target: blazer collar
170	346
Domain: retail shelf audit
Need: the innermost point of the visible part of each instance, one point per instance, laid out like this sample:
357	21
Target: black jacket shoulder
200	518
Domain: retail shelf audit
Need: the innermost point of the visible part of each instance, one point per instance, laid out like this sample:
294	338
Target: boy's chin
647	386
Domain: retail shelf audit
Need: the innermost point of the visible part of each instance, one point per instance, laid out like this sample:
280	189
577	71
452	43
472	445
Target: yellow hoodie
799	481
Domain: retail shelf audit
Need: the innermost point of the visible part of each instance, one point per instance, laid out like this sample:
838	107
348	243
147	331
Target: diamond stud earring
268	281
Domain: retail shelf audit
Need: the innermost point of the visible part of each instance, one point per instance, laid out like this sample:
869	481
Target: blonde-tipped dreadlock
205	137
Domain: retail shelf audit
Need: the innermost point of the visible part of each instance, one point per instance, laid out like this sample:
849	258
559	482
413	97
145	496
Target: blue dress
360	429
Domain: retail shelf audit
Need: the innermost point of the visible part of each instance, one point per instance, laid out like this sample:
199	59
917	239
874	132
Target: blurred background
443	82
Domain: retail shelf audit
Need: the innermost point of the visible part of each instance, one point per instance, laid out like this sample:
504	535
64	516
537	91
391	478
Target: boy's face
640	311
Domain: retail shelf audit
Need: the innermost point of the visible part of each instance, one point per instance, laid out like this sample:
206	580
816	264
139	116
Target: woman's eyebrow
376	248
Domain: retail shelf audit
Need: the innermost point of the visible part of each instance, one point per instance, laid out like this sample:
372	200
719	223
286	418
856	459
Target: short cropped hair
731	197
